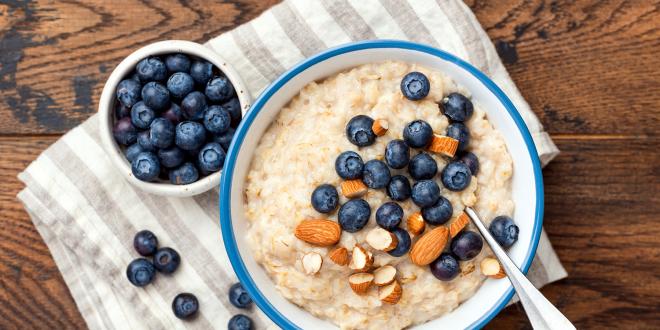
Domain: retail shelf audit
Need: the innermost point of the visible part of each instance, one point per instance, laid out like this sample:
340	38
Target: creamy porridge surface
297	153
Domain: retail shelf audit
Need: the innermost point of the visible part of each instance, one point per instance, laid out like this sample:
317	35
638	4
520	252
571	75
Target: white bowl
527	181
107	106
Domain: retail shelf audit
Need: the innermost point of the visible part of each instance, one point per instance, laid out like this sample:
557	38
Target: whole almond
458	224
390	294
416	223
339	256
429	246
319	232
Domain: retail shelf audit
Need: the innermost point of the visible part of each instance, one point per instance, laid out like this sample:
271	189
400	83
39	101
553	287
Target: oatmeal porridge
297	154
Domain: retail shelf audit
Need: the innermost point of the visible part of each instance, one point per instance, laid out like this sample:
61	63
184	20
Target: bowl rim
226	181
107	102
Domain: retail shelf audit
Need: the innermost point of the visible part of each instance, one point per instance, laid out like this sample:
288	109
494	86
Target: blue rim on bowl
242	130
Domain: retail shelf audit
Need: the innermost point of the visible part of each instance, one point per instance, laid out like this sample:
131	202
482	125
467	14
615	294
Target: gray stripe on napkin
349	19
407	20
247	39
297	29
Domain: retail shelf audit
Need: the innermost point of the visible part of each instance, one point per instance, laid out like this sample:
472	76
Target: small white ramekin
107	105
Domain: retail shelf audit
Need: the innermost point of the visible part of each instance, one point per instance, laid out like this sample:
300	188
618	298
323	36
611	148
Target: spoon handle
541	313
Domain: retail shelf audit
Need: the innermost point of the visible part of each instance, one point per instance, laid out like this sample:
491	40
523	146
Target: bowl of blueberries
168	113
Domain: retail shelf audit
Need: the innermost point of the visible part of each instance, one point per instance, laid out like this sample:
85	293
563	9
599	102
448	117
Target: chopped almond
384	275
380	127
443	145
339	256
491	267
360	282
416	223
353	188
458	224
361	259
381	239
311	263
391	293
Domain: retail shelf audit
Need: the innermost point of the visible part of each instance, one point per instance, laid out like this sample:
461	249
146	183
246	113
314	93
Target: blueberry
124	131
457	107
415	86
325	198
128	92
397	154
189	135
375	175
219	89
184	174
504	230
144	141
389	215
201	71
417	134
239	322
456	176
173	114
399	188
403	244
193	105
180	84
239	297
461	133
145	166
121	111
177	63
211	157
225	138
132	151
166	260
354	215
151	69
349	165
140	272
185	306
466	245
445	268
155	96
359	132
422	167
438	213
142	115
471	161
233	106
145	243
216	119
161	133
425	193
171	157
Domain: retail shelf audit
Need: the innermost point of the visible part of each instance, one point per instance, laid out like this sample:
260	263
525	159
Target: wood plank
601	214
583	66
56	56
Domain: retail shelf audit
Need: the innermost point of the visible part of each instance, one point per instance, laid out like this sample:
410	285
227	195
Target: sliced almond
416	223
443	145
391	293
429	246
361	259
458	224
319	232
360	282
380	127
312	263
384	275
353	188
491	267
339	256
381	239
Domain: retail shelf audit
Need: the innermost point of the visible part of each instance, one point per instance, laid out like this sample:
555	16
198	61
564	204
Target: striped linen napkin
87	213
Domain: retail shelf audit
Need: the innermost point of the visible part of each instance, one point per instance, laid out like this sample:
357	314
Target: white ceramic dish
527	182
108	99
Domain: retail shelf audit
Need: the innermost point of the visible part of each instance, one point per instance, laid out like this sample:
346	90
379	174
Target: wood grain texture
588	68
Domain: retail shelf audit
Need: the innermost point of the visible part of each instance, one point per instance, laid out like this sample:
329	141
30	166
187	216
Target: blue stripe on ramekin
242	130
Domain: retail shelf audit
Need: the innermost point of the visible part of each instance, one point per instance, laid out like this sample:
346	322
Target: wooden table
589	69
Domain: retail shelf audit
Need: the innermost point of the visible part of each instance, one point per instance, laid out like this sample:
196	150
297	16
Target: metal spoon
541	313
